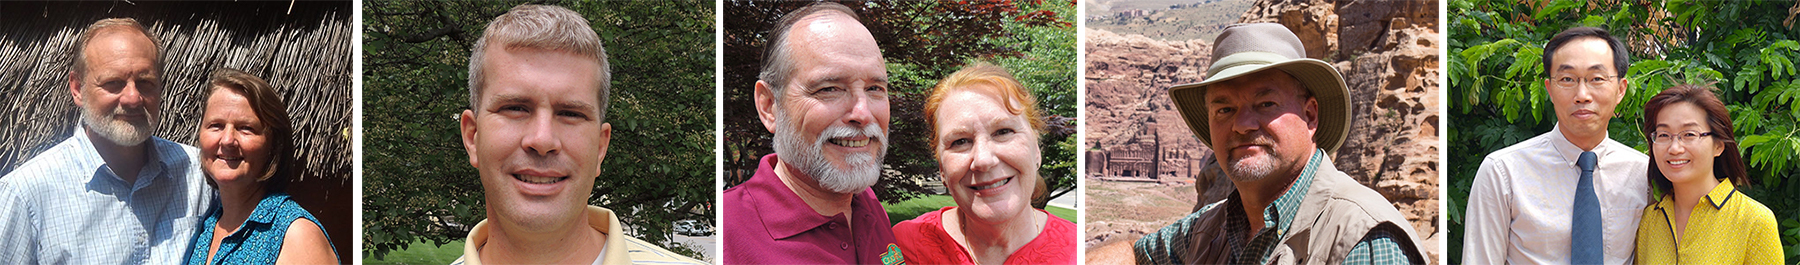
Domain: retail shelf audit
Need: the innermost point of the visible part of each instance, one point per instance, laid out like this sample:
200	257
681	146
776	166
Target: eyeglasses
1687	137
1567	82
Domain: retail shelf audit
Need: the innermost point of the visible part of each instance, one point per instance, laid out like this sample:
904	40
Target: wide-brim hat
1243	49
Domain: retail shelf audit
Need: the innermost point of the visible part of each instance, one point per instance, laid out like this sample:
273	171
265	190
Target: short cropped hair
267	104
540	27
1621	56
1730	165
80	67
777	67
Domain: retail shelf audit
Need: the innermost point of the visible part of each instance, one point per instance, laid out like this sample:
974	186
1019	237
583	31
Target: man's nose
1246	122
131	96
540	136
859	114
1584	93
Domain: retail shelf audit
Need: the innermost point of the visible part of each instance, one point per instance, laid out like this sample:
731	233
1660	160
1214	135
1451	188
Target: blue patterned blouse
258	240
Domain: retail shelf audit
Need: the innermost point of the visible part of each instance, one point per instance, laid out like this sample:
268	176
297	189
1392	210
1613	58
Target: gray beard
865	169
1244	170
124	133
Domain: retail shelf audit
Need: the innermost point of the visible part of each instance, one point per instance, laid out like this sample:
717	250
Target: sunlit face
831	122
1262	124
1680	161
234	144
1585	108
536	138
989	157
120	94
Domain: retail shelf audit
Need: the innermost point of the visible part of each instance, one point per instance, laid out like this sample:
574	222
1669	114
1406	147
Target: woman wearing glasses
1701	217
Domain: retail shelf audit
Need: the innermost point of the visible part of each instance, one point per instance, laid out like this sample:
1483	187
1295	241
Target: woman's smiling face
989	156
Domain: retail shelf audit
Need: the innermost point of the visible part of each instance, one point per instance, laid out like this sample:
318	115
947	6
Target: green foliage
1744	46
419	186
922	41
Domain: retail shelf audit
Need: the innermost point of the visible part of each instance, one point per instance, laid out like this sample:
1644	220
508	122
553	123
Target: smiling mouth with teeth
991	186
850	143
538	180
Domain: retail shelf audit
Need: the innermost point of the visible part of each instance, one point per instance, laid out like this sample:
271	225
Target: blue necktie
1584	233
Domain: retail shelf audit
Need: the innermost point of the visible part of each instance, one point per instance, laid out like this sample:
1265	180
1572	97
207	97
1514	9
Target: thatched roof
302	48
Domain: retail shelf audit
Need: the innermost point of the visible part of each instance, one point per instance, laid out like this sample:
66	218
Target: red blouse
924	241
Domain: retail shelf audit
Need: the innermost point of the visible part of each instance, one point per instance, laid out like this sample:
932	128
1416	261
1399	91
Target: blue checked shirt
66	207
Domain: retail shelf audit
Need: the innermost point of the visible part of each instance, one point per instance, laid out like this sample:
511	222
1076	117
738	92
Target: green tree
418	185
1747	47
923	41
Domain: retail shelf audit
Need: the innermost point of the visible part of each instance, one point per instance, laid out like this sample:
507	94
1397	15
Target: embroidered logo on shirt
893	257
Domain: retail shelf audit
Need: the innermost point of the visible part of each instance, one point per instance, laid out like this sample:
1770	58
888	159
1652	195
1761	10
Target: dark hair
273	113
776	67
1730	164
1621	56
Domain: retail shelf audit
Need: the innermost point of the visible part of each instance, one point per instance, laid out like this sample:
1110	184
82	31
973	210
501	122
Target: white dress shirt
65	206
1519	208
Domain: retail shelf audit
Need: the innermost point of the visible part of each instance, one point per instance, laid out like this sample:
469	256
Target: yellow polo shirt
619	248
1726	228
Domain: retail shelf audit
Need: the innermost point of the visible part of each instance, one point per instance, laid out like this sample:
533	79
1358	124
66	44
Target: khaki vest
1336	213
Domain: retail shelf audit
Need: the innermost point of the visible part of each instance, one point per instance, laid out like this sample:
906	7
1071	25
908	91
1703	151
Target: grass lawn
421	253
909	209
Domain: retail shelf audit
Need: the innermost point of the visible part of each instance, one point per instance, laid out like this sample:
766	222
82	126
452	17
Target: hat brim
1319	77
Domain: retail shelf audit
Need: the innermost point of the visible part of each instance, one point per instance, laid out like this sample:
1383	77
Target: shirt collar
1571	153
1717	198
1721	194
1279	214
783	213
601	219
265	211
158	159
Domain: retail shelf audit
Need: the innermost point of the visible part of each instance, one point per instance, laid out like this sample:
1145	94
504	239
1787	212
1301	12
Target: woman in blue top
245	152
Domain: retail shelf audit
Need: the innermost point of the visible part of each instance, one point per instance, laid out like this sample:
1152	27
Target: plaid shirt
65	206
1167	245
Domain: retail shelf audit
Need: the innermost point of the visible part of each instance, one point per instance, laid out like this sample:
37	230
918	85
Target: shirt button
845	246
830	226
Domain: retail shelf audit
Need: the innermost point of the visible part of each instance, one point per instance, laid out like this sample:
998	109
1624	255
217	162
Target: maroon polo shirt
766	223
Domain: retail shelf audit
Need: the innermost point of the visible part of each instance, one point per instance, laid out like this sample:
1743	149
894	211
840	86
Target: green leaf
1555	7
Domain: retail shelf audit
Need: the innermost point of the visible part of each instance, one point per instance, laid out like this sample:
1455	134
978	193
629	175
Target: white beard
125	133
865	169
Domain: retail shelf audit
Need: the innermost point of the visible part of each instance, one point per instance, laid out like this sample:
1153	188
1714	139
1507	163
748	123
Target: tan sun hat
1248	48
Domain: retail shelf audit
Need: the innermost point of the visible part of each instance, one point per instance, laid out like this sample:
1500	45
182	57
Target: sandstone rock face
1387	52
1128	80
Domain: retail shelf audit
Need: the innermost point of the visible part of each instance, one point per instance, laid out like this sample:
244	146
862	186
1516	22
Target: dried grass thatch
302	49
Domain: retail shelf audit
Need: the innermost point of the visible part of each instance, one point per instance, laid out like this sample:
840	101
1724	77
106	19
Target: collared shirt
66	206
1725	228
1521	204
256	241
619	248
767	223
1168	244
